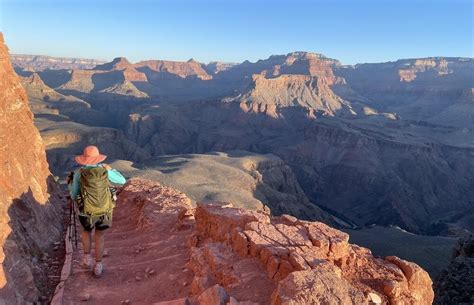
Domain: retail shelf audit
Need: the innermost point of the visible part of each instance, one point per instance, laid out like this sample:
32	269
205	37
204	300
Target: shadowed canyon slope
30	210
247	180
456	283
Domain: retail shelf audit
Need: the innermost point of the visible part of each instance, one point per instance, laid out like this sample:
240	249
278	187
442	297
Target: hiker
90	189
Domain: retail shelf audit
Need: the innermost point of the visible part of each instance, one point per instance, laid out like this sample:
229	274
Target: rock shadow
31	267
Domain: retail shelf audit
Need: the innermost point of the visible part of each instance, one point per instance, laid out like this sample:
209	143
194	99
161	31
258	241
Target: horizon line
237	63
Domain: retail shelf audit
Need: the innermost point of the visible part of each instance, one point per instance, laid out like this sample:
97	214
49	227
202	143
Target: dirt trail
161	249
147	253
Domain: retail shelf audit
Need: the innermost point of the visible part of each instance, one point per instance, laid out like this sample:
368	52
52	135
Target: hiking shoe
86	261
98	269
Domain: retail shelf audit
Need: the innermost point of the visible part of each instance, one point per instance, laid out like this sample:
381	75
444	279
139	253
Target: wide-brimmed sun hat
90	156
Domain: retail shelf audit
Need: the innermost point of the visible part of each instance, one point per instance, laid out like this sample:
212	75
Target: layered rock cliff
114	78
428	89
191	68
44	99
309	94
309	262
35	63
30	212
130	73
381	172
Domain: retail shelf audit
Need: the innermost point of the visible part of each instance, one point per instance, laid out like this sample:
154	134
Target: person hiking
90	188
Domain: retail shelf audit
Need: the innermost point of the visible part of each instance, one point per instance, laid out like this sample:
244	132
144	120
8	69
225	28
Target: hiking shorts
100	223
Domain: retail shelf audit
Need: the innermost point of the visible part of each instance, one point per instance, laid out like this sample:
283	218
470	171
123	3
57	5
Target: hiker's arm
74	186
115	176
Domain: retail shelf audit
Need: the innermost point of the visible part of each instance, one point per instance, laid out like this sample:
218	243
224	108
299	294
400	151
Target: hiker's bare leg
86	241
99	245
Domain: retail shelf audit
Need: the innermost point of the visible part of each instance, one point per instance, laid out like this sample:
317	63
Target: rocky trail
161	250
144	261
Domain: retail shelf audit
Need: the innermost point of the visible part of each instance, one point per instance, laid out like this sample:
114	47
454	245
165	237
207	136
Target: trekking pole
75	226
69	220
72	212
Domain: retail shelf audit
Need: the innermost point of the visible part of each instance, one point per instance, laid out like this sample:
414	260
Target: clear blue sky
232	30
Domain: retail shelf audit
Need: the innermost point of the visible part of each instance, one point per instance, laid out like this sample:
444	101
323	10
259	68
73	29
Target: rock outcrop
30	212
126	88
310	262
309	94
43	99
130	73
114	78
237	257
80	80
455	285
216	67
190	68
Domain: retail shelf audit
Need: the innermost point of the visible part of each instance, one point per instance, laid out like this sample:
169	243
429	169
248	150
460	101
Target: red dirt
138	242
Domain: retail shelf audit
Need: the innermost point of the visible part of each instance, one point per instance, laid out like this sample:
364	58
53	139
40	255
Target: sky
353	32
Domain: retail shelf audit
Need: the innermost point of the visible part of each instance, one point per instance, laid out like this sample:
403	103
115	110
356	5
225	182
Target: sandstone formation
274	95
113	78
306	63
455	285
216	67
235	256
30	211
80	80
287	246
416	89
130	73
191	68
43	99
125	88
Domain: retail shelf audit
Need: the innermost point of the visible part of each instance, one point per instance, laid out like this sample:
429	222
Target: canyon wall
40	63
30	210
365	172
389	143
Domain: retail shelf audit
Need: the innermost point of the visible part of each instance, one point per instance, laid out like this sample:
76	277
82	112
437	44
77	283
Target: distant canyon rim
385	144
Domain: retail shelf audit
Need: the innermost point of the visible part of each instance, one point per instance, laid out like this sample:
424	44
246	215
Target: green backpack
95	192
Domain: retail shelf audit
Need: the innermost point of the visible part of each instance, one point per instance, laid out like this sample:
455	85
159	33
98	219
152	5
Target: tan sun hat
90	156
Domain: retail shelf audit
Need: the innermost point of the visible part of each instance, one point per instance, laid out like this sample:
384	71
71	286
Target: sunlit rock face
29	221
239	256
